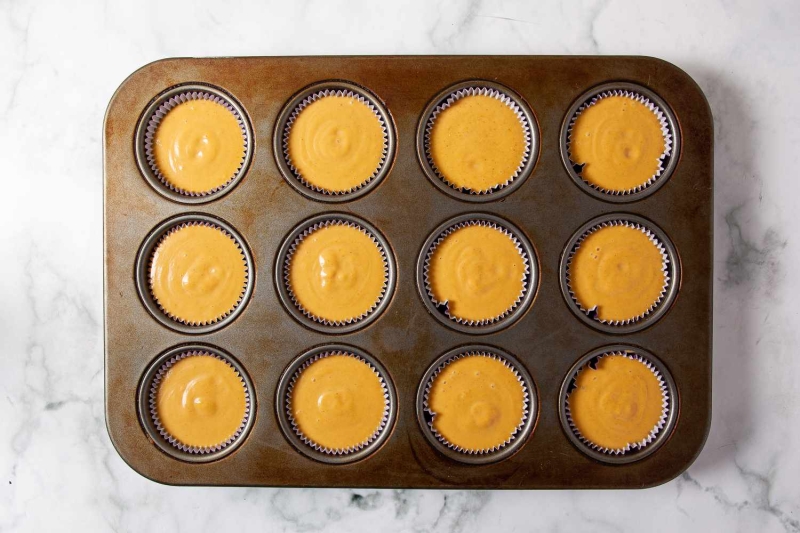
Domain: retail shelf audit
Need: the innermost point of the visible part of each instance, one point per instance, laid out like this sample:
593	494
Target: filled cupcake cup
153	120
289	117
305	444
442	308
290	298
170	443
226	313
349	449
667	124
506	97
669	269
477	455
635	449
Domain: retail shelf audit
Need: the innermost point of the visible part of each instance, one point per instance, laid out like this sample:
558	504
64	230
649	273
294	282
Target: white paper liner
155	120
665	406
443	306
308	101
287	263
592	313
175	229
432	414
479	91
152	401
665	130
318	447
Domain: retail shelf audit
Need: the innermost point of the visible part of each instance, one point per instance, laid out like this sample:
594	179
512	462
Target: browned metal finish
406	207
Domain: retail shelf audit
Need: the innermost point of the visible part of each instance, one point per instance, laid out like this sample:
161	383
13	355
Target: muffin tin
406	204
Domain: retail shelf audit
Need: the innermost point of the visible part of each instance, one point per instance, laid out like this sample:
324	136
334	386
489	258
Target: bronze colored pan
548	207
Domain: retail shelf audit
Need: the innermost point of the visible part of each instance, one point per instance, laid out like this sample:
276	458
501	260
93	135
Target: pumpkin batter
198	274
336	143
619	270
477	402
201	401
620	142
478	271
198	146
617	405
477	143
338	402
337	273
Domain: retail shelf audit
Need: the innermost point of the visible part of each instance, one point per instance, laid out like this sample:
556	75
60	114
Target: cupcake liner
443	307
665	130
432	415
479	91
173	230
288	262
308	101
335	451
592	313
665	406
152	402
155	120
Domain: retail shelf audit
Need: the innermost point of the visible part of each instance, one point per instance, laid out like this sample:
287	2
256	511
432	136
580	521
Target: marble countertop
60	62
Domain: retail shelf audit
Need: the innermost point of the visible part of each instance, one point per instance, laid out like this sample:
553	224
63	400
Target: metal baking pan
406	205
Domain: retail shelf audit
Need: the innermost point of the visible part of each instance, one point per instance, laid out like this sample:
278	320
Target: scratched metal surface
548	207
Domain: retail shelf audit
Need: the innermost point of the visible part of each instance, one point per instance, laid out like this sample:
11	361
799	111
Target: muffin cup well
669	127
148	414
448	97
671	269
148	124
282	268
304	444
441	311
425	416
144	260
289	114
661	431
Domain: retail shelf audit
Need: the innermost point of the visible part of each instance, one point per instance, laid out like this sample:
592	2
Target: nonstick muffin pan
405	204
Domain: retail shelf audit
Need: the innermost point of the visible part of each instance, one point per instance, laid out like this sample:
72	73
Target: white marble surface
61	61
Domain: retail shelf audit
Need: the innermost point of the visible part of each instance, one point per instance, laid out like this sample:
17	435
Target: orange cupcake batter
618	404
477	402
620	142
478	271
336	143
338	402
201	401
198	146
337	273
477	143
198	274
619	270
